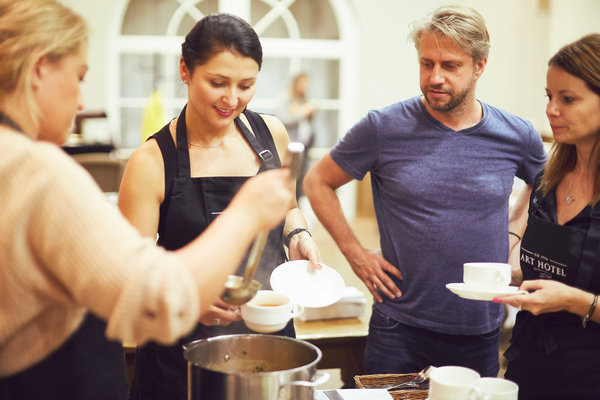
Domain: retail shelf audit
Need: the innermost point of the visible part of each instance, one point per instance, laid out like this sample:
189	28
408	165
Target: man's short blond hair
463	25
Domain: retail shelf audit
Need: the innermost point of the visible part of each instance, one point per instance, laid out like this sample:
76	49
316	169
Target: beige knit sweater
65	249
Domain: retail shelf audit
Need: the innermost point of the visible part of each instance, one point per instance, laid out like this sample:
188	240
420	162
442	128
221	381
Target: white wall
98	15
570	20
523	38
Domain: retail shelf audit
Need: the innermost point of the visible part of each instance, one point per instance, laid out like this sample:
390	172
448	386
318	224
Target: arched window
313	36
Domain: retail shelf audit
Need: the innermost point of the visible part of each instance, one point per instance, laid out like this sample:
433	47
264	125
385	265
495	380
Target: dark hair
218	32
581	59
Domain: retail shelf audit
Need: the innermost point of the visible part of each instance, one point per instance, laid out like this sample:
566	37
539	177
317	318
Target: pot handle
318	379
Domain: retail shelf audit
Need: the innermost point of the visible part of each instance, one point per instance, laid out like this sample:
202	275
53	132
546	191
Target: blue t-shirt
441	199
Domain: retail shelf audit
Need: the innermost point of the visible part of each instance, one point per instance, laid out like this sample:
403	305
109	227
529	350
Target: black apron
87	366
552	355
190	205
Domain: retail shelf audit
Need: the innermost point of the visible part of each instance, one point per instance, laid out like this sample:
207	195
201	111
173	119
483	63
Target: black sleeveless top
552	355
190	205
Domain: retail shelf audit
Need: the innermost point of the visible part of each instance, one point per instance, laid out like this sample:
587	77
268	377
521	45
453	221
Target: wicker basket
379	380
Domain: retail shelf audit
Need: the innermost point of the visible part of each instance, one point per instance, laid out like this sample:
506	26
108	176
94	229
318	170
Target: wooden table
342	342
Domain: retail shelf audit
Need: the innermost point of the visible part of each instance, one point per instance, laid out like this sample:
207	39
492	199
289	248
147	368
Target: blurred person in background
555	346
70	261
442	169
180	181
296	112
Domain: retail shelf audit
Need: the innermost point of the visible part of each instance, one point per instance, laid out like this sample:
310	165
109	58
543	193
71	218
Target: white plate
306	285
473	293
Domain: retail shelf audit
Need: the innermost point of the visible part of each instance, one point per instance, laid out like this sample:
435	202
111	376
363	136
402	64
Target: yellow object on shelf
154	115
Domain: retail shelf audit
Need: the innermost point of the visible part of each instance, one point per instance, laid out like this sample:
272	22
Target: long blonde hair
29	30
581	59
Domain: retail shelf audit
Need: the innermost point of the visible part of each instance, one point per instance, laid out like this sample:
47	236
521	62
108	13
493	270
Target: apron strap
589	254
6	120
183	155
536	200
268	159
169	154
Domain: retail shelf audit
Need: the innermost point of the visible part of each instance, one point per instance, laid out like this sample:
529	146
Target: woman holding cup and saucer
555	347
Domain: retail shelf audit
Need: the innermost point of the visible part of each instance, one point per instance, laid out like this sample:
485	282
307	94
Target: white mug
269	311
487	275
497	389
453	383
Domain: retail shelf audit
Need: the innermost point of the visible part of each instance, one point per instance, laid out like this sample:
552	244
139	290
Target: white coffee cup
453	383
497	389
269	311
487	275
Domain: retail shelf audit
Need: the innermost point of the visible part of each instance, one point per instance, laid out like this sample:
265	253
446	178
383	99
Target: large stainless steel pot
265	367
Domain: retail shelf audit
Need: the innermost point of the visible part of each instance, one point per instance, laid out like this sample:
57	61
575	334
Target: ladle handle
254	257
293	160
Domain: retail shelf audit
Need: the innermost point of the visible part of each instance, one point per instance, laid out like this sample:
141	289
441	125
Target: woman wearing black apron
555	347
206	154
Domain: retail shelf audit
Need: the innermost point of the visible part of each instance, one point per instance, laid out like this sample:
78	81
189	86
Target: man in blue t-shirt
442	169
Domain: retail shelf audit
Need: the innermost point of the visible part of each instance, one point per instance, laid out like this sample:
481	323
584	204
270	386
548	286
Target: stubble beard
456	99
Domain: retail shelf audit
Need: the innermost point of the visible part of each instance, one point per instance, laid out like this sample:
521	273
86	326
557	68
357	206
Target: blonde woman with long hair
76	279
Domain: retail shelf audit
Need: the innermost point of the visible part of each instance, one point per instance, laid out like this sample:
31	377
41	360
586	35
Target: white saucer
469	292
307	286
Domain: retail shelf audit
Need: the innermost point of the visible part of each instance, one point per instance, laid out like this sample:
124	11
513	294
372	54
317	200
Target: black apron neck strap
183	154
595	213
266	156
536	198
6	120
590	252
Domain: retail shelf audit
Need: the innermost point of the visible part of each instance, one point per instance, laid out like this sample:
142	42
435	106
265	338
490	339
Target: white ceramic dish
469	292
269	311
261	328
306	285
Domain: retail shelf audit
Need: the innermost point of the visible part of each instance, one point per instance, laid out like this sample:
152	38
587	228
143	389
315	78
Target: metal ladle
240	290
